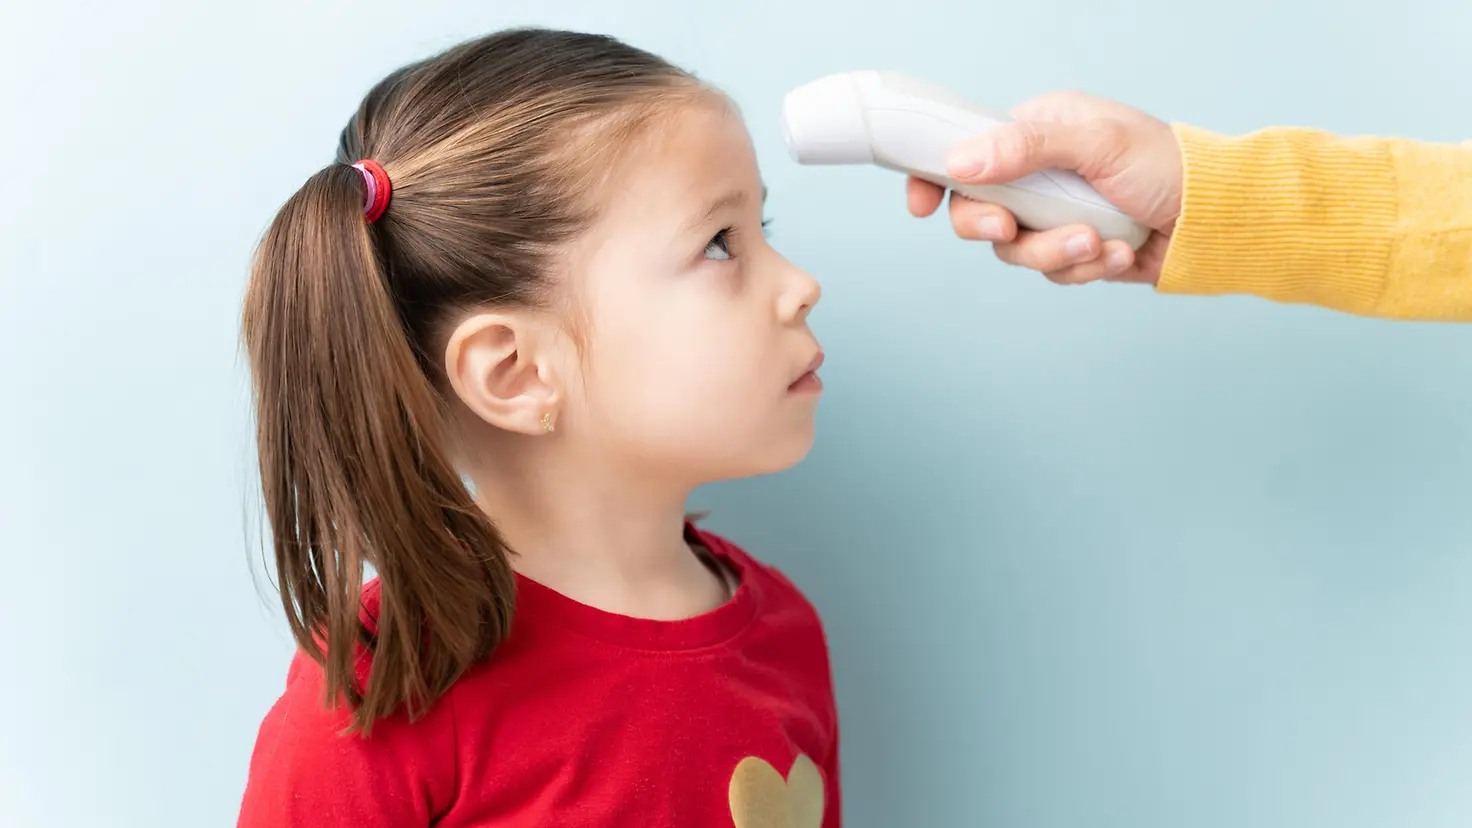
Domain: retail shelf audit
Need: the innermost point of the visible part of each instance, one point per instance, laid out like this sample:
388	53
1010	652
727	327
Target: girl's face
695	360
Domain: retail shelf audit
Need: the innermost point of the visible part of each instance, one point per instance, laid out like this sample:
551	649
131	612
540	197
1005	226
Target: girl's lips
809	381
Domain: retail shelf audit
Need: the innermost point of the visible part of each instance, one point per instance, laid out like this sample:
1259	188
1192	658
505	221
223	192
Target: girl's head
570	286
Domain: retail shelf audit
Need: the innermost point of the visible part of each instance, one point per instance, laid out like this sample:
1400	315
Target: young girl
538	268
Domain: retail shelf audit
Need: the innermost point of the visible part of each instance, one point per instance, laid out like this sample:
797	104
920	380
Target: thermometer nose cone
823	123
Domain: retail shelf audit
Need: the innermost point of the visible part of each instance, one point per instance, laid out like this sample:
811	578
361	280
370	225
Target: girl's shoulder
308	766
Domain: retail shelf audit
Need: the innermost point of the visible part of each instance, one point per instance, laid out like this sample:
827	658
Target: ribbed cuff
1291	215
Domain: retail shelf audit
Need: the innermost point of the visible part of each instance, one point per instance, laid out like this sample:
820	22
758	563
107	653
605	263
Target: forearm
1371	226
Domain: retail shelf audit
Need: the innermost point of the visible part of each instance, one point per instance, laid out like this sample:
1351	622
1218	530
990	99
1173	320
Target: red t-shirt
582	718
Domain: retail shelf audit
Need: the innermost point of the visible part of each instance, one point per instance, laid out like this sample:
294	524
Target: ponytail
354	469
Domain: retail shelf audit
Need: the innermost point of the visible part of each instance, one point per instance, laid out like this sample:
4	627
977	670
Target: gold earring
547	423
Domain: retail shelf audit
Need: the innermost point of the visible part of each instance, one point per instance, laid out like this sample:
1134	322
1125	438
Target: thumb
1021	148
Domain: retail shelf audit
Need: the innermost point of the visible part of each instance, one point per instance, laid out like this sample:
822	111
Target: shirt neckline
705	630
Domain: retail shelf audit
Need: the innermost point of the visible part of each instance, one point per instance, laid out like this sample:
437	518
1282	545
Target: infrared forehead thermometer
908	126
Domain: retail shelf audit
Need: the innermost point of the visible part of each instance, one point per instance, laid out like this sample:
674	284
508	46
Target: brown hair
493	148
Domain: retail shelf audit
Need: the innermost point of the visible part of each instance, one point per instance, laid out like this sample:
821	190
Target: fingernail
1116	260
990	228
1077	247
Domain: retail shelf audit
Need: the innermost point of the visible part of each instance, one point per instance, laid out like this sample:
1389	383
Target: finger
1021	148
922	197
980	221
1115	261
1051	250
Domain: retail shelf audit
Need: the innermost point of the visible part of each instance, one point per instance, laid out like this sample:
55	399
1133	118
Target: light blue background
1088	557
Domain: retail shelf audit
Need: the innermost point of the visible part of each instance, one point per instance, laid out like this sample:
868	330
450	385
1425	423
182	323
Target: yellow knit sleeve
1371	226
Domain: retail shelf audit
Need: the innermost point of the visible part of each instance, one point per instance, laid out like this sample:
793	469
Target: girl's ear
502	367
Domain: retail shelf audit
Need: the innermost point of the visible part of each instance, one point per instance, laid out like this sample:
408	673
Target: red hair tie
379	189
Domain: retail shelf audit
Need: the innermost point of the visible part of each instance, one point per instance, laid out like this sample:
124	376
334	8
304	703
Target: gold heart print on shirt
762	798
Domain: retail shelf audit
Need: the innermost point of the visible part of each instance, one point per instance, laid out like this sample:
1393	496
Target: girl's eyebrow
735	198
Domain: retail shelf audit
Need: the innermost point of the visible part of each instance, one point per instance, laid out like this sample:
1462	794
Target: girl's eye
719	247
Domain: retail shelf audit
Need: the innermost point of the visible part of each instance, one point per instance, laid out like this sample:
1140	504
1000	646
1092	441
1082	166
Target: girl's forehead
703	161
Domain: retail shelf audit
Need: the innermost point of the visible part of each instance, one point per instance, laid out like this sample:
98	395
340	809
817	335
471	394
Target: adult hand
1131	158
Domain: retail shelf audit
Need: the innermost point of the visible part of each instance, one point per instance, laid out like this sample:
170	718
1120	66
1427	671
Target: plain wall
1088	557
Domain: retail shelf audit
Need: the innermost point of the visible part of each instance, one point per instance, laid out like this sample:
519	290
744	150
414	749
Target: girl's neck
602	542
